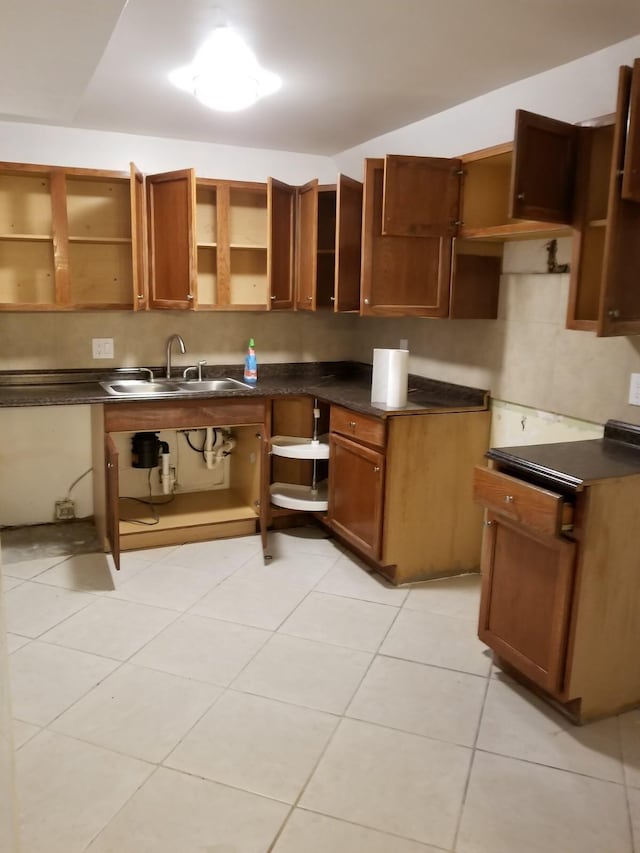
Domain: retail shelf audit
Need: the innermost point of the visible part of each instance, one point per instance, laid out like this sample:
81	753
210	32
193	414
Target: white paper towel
390	377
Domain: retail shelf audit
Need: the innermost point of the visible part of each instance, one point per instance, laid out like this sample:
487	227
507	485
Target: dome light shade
225	74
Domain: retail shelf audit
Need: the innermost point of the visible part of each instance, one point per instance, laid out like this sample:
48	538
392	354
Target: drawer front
359	427
519	501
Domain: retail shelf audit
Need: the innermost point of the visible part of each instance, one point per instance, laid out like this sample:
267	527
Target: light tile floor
199	700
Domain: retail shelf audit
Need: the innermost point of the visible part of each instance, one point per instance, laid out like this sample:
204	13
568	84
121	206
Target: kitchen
547	383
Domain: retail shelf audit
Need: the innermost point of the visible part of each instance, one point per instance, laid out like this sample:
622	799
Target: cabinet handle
488	523
508	499
366	301
376	469
332	299
141	296
352	424
109	464
309	298
189	296
613	314
273	298
520	196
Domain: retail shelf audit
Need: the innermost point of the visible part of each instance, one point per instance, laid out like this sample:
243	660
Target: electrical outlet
634	389
102	347
65	510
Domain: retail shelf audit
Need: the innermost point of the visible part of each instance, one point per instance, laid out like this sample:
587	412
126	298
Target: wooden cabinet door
401	276
140	291
421	196
619	310
544	168
112	497
348	244
356	478
307	246
631	170
525	605
281	214
171	205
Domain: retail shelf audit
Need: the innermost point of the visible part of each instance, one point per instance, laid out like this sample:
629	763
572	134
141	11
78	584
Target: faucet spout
177	339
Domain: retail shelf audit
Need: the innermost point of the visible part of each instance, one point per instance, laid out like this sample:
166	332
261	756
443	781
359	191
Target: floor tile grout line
474	747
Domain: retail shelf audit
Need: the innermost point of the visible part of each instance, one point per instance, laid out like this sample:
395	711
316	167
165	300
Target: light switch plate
634	389
102	347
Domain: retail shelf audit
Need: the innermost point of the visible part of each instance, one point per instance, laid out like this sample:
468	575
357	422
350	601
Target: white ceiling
351	69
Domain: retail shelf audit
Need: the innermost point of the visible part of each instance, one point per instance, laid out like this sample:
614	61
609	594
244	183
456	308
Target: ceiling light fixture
225	74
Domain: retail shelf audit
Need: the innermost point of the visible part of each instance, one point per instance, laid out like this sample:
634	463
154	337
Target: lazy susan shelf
293	496
300	448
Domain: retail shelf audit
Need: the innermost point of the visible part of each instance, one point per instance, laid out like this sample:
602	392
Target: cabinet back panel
207	276
248	218
584	300
25	204
327	220
599	173
98	208
101	273
485	191
248	284
27	272
326	280
206	215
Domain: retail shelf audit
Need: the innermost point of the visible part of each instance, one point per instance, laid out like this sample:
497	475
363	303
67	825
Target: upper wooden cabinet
329	240
70	239
221	245
587	176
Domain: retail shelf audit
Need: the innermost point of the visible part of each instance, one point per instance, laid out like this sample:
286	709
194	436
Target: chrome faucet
180	342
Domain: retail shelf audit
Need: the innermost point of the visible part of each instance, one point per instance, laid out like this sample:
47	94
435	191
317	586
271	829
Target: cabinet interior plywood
25	204
207	276
248	218
486	187
99	208
27	272
248	279
101	273
206	215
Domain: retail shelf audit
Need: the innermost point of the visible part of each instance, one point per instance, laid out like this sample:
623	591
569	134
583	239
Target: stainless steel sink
162	387
139	387
213	385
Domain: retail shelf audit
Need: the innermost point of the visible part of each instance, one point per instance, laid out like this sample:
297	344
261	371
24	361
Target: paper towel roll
390	377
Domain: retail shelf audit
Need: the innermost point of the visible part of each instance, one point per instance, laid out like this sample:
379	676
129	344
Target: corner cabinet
220	245
71	239
560	585
400	490
230	499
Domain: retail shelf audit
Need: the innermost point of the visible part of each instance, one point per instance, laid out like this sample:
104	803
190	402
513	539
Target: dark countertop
342	383
574	464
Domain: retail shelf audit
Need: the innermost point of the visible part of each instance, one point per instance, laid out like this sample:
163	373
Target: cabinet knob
352	424
141	296
376	469
273	297
520	196
613	314
109	464
189	296
332	299
508	499
366	301
488	523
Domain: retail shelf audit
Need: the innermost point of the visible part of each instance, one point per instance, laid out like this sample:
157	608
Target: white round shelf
293	496
300	448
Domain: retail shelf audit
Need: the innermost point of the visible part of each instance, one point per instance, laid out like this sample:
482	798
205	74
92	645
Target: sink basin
139	387
213	385
158	388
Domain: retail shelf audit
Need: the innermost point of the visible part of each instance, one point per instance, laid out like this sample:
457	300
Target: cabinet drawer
520	501
360	427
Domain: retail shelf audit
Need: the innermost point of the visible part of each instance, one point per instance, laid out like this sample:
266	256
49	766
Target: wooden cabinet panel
475	280
171	205
421	196
358	427
525	608
281	202
631	169
531	506
307	246
348	244
174	414
112	514
356	478
544	168
401	276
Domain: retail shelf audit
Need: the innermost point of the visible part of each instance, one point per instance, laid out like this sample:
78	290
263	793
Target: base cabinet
224	500
560	587
400	490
